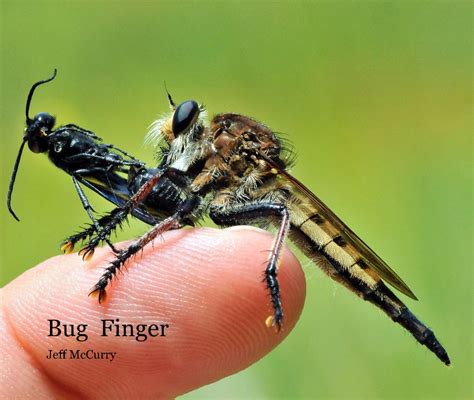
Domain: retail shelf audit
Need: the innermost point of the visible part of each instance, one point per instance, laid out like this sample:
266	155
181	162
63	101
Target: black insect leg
175	221
77	128
108	160
69	245
111	146
251	212
92	135
119	214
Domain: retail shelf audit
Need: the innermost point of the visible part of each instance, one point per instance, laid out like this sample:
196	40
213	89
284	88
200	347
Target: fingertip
205	284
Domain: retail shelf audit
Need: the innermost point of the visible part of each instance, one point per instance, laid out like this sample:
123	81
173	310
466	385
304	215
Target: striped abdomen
334	251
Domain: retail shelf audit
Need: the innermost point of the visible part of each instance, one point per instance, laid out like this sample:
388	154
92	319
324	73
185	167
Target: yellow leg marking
67	248
270	321
86	256
96	294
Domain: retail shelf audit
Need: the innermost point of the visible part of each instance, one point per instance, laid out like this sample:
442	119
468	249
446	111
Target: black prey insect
104	168
235	170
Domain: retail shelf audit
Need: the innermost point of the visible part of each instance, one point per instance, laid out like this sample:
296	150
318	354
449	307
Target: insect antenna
12	181
20	151
32	90
170	99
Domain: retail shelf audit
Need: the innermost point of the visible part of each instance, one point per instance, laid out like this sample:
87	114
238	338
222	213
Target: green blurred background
376	98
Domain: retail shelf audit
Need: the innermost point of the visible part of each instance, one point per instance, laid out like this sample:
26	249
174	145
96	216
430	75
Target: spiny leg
69	246
251	212
77	128
170	223
95	137
69	243
111	146
119	214
113	160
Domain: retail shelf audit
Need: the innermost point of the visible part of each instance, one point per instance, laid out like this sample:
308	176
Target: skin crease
216	315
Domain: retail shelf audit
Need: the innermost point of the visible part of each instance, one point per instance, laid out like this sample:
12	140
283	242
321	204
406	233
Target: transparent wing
114	188
314	205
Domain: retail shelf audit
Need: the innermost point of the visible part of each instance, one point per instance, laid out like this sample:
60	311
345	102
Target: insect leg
109	161
89	210
119	214
69	243
76	128
174	221
92	135
252	212
111	146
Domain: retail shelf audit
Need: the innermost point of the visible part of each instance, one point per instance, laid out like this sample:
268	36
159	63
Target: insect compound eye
184	116
44	119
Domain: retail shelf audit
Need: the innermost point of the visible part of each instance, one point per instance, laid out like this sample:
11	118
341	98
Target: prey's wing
314	207
114	188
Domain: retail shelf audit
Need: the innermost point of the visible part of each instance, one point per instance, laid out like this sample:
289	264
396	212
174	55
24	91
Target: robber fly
109	171
235	170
